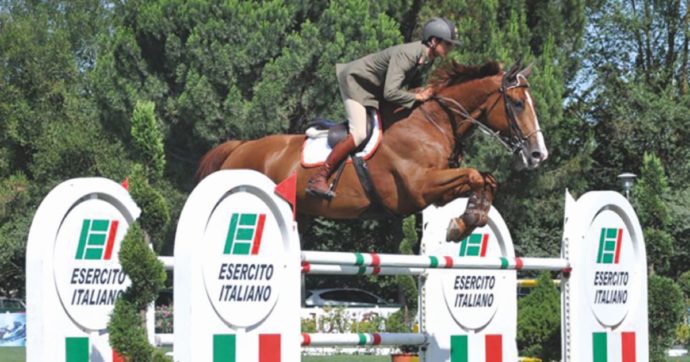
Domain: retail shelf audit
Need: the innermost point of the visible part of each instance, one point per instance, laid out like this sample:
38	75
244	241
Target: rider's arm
393	91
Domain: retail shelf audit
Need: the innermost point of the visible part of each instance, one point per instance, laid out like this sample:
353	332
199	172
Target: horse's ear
527	71
514	69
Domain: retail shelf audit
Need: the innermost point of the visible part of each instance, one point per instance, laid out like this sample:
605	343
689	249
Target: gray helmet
441	28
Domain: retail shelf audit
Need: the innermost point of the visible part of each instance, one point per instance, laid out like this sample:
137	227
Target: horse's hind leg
480	186
476	213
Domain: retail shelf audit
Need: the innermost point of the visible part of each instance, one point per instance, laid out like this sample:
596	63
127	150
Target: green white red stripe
432	261
77	350
362	339
603	349
225	348
461	350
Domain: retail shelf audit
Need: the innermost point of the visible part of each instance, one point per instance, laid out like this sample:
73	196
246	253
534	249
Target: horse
411	168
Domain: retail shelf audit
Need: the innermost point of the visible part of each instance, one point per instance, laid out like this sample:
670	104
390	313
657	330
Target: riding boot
318	184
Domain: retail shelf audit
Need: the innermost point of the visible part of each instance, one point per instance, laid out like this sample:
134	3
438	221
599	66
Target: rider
386	74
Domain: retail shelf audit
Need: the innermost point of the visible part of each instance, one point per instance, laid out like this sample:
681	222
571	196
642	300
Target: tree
650	195
48	126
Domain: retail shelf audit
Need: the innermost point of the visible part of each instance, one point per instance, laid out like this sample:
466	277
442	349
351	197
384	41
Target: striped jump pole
362	339
432	261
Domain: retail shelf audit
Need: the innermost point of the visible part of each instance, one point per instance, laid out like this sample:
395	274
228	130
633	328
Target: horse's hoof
457	230
328	195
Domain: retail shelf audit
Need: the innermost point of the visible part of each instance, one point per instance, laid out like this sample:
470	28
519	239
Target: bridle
516	139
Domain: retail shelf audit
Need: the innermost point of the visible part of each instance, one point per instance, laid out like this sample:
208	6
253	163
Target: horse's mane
454	73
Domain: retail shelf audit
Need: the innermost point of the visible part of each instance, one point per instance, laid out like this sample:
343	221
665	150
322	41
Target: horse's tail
213	159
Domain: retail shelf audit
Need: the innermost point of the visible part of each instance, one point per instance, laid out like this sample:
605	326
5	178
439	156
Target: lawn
12	354
16	354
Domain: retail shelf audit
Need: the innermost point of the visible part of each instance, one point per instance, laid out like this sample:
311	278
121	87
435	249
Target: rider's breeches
356	120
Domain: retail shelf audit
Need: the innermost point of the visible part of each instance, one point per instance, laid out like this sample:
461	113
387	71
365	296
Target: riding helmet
441	28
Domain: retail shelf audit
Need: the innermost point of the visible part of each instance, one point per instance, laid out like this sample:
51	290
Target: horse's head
510	112
498	102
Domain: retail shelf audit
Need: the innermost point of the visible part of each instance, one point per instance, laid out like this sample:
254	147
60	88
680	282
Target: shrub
539	321
666	311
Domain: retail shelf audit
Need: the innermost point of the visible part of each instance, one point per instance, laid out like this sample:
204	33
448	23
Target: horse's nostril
536	155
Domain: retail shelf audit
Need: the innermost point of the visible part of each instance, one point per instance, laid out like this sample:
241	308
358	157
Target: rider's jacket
385	75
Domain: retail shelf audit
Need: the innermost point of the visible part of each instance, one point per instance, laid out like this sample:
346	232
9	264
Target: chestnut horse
410	169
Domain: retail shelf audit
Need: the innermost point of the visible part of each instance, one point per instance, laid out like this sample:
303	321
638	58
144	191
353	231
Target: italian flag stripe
460	348
77	349
269	348
628	342
601	350
599	347
224	348
494	347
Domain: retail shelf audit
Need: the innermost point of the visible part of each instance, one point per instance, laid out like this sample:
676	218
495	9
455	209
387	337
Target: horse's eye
518	104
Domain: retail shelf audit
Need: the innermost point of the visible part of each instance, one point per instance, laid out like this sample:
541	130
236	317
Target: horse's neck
472	94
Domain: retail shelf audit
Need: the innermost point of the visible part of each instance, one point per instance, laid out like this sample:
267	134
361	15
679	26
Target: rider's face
443	48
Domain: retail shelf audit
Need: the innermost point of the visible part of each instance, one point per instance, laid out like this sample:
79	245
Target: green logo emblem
609	246
97	239
474	245
244	234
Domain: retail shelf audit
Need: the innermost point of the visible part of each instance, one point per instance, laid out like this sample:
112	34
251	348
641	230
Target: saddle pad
316	149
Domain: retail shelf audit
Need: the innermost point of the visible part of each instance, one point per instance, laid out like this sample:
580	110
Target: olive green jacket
385	75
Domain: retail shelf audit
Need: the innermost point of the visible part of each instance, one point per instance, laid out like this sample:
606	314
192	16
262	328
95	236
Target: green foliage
650	194
539	322
308	325
407	284
127	326
682	334
666	311
148	140
369	324
164	319
684	283
156	215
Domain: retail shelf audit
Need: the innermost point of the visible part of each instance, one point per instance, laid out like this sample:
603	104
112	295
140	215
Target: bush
666	311
127	326
539	321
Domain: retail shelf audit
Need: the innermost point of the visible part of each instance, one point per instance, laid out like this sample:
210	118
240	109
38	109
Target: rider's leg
357	120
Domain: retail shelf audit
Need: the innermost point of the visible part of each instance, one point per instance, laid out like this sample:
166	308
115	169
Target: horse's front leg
453	183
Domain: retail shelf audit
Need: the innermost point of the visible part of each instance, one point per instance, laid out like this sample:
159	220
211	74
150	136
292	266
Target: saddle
323	134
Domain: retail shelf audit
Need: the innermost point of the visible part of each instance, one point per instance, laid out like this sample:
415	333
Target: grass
12	354
17	354
346	358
